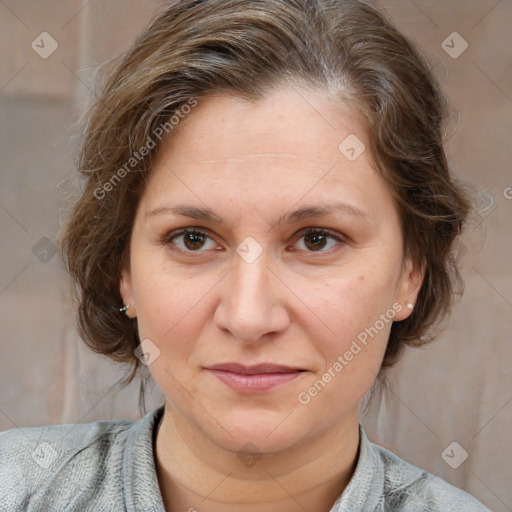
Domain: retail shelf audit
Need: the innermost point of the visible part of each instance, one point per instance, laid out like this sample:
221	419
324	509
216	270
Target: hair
347	49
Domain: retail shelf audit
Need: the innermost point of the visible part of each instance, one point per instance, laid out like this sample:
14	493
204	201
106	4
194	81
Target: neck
197	475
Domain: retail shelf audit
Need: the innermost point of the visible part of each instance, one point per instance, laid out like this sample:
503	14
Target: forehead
290	122
285	146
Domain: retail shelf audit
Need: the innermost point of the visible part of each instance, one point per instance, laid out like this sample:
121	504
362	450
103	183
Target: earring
410	306
124	308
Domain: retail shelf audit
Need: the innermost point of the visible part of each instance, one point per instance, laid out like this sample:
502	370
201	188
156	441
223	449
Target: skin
301	303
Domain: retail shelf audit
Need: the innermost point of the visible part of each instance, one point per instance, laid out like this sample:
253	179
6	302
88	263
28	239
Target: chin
261	431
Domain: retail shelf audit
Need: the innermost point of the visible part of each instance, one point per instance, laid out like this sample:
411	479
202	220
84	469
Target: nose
252	303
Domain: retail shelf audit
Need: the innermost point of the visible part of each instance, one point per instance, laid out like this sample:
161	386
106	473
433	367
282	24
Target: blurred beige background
457	390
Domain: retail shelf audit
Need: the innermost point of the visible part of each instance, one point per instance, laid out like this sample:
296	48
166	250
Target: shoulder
409	488
41	467
16	441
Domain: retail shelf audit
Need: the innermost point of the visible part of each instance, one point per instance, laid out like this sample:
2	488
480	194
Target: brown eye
190	240
193	241
316	240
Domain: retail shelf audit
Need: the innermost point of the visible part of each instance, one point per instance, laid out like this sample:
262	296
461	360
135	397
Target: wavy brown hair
347	49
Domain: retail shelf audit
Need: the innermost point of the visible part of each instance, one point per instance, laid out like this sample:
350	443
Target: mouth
254	379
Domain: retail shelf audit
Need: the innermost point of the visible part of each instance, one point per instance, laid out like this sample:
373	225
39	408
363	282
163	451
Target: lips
255	369
254	379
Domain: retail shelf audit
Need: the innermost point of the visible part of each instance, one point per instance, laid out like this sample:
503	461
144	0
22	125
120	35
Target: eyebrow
206	214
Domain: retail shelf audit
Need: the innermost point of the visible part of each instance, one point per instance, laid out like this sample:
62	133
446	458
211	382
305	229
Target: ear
409	286
126	290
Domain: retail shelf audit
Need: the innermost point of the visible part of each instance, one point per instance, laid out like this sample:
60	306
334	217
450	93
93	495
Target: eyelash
168	239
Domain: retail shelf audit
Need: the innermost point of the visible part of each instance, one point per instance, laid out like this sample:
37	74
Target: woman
267	219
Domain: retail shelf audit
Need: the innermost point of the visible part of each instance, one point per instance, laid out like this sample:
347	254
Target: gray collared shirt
110	466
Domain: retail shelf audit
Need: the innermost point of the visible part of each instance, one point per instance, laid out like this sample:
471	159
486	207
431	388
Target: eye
316	240
190	240
193	240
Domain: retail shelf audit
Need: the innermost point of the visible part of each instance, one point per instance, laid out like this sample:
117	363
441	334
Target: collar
140	482
365	489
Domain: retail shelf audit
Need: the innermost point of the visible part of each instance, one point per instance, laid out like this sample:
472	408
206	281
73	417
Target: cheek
173	305
359	314
172	314
348	306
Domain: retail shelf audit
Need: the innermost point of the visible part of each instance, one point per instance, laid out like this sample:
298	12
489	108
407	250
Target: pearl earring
410	306
124	308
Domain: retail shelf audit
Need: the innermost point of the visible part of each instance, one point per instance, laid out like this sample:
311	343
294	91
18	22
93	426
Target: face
266	269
